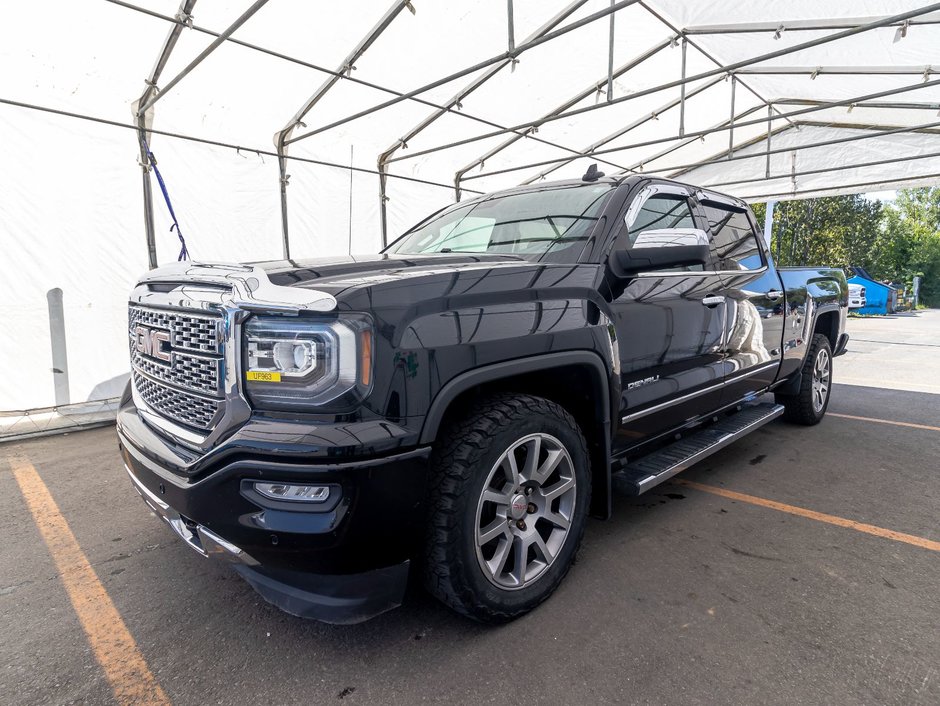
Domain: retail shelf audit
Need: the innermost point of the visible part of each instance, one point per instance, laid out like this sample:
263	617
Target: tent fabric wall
71	203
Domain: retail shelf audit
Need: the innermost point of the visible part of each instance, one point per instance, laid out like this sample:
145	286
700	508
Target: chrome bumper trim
202	540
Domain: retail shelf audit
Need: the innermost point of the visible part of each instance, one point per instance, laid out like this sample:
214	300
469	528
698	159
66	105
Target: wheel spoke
546	469
557	519
520	560
557	490
541	549
510	468
533	451
498	562
493	530
491	496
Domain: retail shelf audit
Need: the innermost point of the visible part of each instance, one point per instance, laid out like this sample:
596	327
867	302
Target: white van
856	296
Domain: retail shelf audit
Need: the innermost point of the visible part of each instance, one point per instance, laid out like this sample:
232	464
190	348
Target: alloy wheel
525	510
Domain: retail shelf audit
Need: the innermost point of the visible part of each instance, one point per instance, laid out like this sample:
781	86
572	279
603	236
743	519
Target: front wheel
809	405
509	497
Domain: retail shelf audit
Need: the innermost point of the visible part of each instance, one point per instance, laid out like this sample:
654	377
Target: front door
670	326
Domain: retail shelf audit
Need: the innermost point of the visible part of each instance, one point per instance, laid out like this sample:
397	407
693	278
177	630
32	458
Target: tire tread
453	465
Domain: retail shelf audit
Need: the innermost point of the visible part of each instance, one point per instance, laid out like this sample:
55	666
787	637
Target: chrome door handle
774	294
713	300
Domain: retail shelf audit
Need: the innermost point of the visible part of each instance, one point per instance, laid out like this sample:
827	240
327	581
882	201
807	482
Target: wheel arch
577	380
827	323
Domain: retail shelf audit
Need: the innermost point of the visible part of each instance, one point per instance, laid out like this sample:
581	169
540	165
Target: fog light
294	493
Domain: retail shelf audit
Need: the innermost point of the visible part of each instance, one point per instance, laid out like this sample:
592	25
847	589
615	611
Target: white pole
769	222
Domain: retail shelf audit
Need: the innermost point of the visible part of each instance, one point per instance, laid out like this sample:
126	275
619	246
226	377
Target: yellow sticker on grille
262	376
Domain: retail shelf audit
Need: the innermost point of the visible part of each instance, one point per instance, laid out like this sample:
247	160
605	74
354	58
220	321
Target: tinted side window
662	211
734	244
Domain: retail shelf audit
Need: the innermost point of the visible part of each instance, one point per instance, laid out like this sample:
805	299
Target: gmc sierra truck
455	407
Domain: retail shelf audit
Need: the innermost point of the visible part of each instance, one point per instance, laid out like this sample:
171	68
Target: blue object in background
879	298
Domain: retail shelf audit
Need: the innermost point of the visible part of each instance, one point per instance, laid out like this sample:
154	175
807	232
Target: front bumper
342	563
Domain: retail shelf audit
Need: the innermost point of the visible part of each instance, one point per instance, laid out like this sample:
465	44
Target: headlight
298	363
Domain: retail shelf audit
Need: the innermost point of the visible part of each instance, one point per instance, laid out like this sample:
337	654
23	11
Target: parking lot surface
799	565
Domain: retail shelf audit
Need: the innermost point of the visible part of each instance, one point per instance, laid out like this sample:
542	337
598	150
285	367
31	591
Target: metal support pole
511	28
60	357
215	44
349	243
769	223
770	116
143	118
383	199
685	48
284	177
282	137
731	119
150	230
610	59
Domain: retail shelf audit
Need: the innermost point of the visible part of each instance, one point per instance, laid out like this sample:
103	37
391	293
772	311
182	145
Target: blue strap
184	253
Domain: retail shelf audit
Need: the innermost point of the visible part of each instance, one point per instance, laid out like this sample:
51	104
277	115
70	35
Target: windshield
549	225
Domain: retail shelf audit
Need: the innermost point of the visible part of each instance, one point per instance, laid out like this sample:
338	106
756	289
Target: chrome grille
176	405
196	332
187	389
195	373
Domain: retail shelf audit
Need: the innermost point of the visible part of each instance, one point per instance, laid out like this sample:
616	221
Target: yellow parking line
111	642
813	515
885	421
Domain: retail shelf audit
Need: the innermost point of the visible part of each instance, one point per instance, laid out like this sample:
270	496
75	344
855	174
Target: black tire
464	462
804	407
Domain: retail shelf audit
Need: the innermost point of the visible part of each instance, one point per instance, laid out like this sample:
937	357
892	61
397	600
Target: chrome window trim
700	273
646	193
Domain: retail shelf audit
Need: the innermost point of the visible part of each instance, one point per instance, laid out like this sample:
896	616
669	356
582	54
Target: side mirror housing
658	250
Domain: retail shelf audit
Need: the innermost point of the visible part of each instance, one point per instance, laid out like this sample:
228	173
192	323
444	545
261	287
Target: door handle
713	300
774	294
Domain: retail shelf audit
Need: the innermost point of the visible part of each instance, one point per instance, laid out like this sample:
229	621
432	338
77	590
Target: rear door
670	326
755	303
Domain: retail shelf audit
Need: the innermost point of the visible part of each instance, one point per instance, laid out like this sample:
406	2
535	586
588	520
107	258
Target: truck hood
341	275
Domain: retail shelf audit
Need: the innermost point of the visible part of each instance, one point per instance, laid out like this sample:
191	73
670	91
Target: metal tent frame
738	72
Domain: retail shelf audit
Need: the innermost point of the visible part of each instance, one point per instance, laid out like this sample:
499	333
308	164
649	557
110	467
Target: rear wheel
508	503
809	405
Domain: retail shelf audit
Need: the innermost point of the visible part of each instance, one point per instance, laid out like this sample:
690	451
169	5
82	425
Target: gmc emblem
150	342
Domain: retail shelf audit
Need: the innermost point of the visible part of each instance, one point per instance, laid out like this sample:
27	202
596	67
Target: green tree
837	231
912	240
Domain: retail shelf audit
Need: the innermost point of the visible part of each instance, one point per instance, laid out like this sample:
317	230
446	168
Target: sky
881	195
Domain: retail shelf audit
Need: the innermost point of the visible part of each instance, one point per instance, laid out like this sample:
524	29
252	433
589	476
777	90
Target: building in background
880	298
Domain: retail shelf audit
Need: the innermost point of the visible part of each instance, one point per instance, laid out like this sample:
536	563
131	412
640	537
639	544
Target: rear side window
734	244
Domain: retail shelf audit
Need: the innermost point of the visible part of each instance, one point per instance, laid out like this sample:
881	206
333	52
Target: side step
662	465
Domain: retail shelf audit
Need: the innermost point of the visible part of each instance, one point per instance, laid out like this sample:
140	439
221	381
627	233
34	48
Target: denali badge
640	383
149	341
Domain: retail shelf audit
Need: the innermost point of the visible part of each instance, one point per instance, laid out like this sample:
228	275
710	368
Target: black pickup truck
456	406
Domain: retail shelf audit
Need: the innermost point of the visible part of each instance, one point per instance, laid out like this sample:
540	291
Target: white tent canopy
286	127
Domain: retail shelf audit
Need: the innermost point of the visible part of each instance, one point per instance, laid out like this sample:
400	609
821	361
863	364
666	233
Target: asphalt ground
686	596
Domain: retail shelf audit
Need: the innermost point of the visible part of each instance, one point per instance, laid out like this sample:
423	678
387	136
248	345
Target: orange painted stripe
884	421
111	642
813	515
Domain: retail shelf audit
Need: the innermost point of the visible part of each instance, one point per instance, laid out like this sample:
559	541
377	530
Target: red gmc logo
153	343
